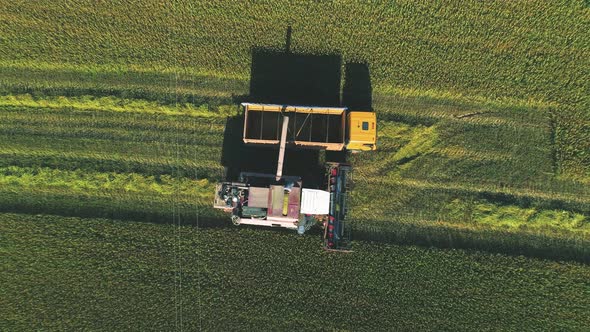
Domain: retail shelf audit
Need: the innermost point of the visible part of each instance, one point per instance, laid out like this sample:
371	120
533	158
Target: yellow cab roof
363	127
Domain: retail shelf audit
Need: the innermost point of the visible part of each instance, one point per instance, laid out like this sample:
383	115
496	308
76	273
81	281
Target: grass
73	273
514	217
118	111
112	104
62	147
530	53
80	181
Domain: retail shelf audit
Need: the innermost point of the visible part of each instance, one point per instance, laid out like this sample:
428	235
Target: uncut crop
109	274
517	52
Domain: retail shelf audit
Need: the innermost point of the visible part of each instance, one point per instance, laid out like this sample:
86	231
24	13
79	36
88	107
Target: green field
523	53
71	273
125	112
108	157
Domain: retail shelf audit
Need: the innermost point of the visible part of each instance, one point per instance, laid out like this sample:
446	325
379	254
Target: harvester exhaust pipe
282	148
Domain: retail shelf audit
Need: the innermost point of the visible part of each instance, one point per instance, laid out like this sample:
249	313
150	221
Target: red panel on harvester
294	203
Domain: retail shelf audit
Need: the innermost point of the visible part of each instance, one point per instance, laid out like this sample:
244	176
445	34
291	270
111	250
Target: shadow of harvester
238	157
357	92
286	78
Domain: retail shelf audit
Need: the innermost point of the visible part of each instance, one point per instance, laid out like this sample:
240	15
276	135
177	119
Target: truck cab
362	131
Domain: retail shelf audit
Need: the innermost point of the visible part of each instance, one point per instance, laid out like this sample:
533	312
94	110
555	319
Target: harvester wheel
235	220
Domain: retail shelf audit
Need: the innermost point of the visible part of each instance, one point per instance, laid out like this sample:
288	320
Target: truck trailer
329	128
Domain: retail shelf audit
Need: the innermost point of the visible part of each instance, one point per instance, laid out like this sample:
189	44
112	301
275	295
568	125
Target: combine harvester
275	200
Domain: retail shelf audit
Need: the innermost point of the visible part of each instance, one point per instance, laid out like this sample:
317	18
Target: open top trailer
311	127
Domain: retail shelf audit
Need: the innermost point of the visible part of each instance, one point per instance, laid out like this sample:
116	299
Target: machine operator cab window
362	131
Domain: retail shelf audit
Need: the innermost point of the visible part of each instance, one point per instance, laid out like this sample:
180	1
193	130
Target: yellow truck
310	127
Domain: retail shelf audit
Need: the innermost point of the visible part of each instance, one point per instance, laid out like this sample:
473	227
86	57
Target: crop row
524	51
82	181
111	141
110	274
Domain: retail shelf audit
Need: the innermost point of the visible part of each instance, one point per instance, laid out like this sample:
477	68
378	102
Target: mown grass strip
83	181
554	245
112	104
